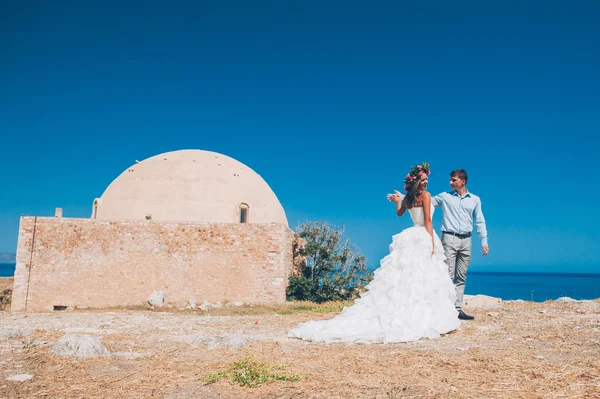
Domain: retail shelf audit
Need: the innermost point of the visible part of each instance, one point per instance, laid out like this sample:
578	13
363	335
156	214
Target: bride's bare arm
399	200
400	208
427	213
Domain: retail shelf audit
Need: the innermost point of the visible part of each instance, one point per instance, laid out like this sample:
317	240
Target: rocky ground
516	350
6	285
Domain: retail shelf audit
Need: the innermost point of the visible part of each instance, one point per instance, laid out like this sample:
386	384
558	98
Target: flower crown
415	173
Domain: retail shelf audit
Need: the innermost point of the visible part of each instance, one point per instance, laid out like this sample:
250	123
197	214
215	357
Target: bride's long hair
412	194
412	181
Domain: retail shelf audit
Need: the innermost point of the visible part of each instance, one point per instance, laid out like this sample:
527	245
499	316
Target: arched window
244	212
95	209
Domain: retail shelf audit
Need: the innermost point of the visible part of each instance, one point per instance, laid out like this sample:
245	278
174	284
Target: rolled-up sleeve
480	223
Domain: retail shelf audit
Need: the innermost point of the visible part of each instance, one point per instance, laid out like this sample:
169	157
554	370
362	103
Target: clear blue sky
329	101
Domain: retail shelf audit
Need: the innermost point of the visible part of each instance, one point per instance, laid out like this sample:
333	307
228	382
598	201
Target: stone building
195	225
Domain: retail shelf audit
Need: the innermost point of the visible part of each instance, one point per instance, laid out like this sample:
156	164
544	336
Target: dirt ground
6	282
520	350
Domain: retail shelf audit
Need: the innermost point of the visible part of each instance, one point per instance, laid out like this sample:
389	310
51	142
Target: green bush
334	270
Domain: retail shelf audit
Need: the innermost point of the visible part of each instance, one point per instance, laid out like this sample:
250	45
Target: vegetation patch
250	373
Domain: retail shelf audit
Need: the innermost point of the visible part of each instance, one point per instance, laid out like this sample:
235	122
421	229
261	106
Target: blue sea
7	269
537	287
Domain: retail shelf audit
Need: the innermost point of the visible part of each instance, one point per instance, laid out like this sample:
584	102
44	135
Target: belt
463	236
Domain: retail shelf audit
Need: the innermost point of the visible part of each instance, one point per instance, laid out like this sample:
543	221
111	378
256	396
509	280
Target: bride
411	295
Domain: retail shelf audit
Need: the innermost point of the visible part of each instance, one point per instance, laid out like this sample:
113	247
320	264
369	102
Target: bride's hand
396	197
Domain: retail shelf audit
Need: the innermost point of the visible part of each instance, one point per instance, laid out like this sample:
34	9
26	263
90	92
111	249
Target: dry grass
6	283
531	350
288	308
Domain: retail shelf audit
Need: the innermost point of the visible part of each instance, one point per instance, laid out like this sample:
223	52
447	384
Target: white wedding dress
410	297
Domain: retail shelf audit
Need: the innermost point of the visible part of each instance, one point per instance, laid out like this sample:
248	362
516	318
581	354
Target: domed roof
190	185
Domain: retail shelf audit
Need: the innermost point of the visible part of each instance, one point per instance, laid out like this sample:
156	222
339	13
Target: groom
461	209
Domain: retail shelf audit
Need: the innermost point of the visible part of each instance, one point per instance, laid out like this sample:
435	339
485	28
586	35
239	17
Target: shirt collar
454	193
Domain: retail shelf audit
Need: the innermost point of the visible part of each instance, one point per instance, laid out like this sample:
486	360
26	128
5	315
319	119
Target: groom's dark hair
461	174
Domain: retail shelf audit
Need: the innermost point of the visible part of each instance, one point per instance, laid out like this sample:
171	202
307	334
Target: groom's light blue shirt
459	213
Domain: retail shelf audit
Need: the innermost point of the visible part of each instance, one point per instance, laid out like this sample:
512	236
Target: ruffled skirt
410	297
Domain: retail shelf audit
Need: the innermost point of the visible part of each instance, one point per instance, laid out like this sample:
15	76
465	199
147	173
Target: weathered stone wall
84	262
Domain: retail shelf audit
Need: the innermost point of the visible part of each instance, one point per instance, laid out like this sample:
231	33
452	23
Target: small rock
494	314
453	388
20	377
207	305
79	345
6	334
157	298
566	299
482	301
539	357
544	311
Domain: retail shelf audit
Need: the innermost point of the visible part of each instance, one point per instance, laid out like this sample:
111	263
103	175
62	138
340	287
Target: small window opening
244	213
95	209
